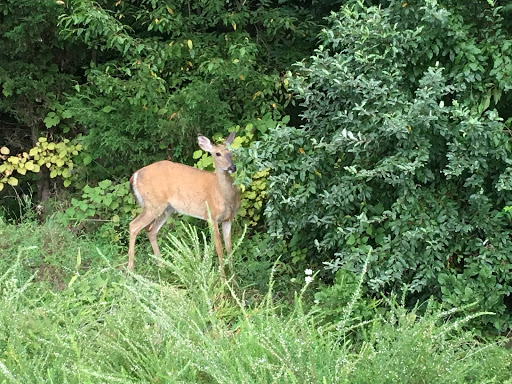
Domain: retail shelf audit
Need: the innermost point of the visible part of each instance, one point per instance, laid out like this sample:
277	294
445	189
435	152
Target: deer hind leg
226	234
218	247
136	225
153	228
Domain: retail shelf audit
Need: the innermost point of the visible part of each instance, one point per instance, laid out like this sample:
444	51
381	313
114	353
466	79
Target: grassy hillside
70	314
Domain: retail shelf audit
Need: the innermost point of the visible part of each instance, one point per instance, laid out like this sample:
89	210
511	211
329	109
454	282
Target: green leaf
51	120
66	114
72	280
197	154
107	201
104	184
6	90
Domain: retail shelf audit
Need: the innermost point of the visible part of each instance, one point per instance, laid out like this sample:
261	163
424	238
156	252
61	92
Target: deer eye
218	153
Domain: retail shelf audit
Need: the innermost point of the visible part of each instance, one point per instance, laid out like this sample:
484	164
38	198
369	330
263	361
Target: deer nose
232	168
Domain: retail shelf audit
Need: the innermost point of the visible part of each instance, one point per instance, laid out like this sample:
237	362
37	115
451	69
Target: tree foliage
162	72
56	157
404	150
36	74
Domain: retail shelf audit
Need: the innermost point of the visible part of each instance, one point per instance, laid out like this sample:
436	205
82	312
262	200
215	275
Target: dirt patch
55	276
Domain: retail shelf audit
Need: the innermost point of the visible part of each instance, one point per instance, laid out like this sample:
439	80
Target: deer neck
226	187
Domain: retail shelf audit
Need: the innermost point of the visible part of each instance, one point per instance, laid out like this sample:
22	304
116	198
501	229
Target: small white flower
308	272
308	279
316	301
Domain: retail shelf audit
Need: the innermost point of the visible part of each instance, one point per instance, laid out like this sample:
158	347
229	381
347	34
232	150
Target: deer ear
204	143
230	138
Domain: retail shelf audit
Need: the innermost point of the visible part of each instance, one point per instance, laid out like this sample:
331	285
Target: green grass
100	324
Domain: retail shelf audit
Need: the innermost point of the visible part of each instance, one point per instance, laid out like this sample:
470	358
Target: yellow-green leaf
72	280
197	154
4	151
12	181
237	142
189	43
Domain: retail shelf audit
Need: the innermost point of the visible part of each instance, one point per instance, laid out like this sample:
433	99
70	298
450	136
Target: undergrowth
105	325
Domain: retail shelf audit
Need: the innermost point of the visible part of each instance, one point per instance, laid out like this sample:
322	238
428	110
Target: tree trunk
43	184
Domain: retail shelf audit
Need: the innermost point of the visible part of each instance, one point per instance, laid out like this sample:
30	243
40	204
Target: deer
165	187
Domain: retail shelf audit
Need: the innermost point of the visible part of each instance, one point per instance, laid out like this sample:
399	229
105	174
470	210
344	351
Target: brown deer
165	187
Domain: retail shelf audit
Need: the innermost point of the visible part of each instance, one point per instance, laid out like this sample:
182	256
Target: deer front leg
218	247
226	233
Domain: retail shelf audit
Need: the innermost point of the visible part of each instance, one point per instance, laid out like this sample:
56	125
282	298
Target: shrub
404	150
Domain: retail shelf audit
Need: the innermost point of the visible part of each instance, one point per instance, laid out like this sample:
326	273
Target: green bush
105	209
404	150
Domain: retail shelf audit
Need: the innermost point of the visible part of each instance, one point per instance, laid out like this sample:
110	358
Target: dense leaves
404	151
36	74
163	72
